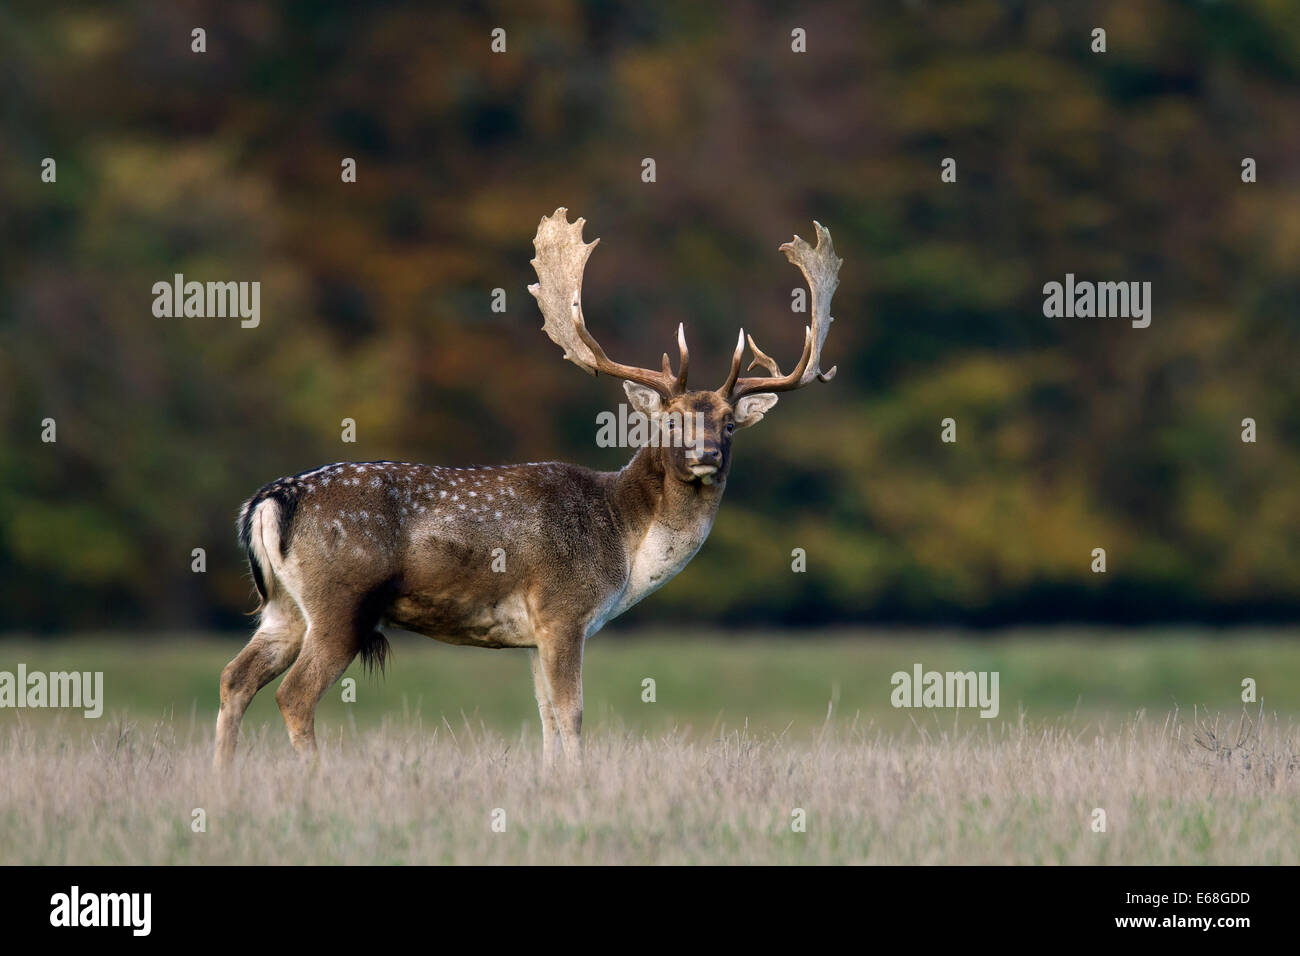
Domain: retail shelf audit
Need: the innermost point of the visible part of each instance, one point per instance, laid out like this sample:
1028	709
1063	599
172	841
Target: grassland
743	732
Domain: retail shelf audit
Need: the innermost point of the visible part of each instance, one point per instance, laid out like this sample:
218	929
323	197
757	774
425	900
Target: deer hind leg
560	656
273	647
332	641
551	746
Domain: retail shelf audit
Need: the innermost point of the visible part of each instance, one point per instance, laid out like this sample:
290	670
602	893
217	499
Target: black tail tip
374	652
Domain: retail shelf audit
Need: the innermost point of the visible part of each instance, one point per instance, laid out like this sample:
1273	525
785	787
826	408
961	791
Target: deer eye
731	427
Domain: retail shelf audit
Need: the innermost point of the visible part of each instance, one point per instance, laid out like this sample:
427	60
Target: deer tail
261	528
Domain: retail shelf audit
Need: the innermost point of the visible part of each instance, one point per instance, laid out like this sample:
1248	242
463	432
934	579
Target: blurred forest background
376	296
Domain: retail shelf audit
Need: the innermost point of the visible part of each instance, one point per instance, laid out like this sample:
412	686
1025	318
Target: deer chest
662	552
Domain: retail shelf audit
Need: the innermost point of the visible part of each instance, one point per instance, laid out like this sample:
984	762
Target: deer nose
707	455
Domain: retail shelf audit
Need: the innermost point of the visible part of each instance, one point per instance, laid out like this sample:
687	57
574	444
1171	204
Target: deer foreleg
551	746
559	655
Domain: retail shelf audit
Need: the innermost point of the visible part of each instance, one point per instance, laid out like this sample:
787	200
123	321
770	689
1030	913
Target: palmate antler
560	262
561	259
820	267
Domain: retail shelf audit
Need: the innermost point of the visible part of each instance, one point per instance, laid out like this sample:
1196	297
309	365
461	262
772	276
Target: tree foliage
1072	433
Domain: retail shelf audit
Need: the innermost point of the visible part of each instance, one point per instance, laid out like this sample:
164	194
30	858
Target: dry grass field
126	794
744	732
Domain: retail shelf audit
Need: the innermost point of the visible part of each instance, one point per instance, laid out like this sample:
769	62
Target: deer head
709	417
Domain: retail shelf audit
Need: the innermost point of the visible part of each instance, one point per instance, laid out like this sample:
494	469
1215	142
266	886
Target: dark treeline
1072	433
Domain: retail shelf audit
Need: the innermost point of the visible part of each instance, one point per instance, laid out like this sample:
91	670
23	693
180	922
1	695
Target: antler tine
763	359
680	383
820	267
560	262
725	390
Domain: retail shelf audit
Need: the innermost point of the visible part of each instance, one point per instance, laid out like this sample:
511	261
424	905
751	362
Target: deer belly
502	623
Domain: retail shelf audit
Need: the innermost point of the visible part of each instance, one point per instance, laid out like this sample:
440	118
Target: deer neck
645	496
664	522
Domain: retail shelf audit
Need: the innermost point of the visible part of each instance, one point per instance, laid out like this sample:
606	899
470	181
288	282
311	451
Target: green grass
706	682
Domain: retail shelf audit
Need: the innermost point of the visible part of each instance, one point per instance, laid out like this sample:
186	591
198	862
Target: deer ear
644	400
751	409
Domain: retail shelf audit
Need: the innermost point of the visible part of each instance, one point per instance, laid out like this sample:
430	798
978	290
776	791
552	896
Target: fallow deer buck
335	551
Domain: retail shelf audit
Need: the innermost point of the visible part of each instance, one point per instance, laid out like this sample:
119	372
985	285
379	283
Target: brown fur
413	545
